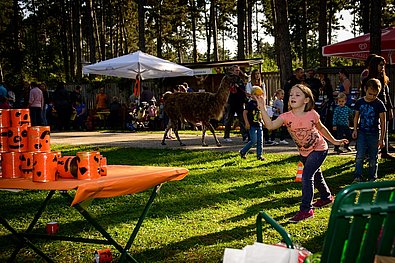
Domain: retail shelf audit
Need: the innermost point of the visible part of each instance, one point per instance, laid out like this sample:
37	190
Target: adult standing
36	104
365	71
256	80
377	70
44	89
237	98
314	83
62	106
345	85
101	100
297	78
76	95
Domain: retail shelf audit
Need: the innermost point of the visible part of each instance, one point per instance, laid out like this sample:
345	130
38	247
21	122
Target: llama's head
229	79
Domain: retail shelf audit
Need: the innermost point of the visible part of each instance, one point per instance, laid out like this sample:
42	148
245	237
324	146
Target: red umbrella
359	47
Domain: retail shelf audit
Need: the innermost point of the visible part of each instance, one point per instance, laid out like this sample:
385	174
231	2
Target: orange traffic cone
299	173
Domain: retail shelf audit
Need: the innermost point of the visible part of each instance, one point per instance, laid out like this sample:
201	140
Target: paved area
153	140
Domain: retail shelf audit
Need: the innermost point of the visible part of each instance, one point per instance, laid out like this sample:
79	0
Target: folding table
120	180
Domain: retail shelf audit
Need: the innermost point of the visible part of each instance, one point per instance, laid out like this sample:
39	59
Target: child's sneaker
302	215
322	203
348	149
242	155
357	180
261	158
269	143
283	142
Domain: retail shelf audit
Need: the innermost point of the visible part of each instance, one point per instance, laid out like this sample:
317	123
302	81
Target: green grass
192	220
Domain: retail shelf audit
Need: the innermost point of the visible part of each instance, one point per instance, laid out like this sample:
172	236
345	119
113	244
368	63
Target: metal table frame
24	238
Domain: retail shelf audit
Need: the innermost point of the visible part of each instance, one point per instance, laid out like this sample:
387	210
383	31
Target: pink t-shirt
304	132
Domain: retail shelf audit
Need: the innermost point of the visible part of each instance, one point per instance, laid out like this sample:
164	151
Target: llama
197	107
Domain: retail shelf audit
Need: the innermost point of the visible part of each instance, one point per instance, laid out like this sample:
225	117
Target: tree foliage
52	40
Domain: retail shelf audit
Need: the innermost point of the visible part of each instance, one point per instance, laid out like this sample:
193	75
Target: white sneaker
284	142
269	143
228	140
274	143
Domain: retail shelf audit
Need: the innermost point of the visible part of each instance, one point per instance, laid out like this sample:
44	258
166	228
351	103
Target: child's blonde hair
341	95
278	92
255	90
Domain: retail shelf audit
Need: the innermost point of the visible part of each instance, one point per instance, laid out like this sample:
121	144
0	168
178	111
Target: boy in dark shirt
369	129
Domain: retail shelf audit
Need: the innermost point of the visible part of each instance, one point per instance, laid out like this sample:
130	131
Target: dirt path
153	140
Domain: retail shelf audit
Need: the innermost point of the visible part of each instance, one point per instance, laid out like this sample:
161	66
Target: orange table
120	180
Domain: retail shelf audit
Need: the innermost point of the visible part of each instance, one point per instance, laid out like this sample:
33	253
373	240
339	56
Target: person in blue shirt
253	123
369	130
341	121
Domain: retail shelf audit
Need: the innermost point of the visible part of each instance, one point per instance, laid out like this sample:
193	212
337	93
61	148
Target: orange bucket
103	165
20	117
5	118
38	139
10	163
3	139
17	139
67	167
45	166
88	165
26	164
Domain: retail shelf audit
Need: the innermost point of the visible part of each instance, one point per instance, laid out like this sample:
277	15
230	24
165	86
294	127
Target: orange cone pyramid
299	172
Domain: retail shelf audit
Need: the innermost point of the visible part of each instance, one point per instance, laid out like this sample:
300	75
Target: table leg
21	236
138	225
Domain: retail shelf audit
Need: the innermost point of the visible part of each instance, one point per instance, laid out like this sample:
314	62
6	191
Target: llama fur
197	107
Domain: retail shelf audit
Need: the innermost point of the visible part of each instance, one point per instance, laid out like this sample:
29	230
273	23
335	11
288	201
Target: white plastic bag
261	253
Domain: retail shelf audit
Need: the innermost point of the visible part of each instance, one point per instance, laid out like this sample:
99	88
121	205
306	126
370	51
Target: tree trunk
322	31
90	33
159	31
16	47
258	50
141	17
213	20
102	34
304	34
282	40
365	14
77	37
375	27
70	39
249	27
193	21
208	35
63	33
240	28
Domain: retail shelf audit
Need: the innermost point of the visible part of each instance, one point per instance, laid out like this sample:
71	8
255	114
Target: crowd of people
61	109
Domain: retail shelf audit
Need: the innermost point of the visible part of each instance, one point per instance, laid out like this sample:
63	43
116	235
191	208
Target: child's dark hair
374	84
307	92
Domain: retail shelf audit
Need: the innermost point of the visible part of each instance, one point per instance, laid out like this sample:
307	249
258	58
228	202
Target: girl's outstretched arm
269	124
327	135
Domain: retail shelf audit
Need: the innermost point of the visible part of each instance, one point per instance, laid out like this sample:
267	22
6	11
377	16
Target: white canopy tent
138	64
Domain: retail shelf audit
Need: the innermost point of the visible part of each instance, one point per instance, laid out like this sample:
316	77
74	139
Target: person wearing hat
253	123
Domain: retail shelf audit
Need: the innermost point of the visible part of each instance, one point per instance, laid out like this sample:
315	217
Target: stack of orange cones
299	172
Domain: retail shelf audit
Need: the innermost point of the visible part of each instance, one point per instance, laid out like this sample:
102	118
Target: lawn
192	220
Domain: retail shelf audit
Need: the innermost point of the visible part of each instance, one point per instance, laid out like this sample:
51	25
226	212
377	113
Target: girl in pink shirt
307	131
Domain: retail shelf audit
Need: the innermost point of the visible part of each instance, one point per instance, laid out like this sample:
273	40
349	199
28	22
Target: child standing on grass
253	123
369	129
278	107
307	131
341	121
